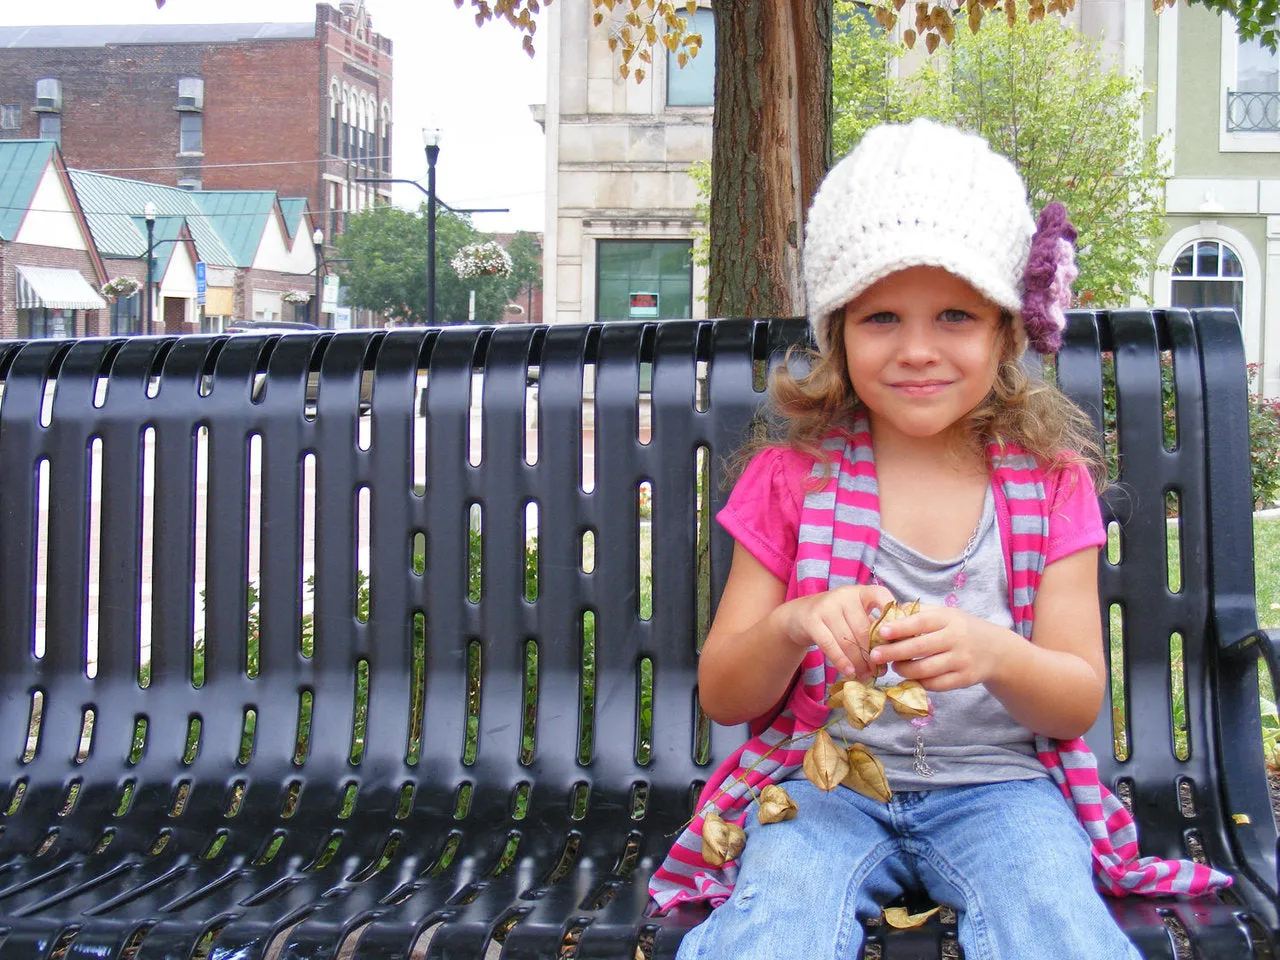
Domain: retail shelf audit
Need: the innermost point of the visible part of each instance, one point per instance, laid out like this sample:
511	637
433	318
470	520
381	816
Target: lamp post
431	140
317	239
149	214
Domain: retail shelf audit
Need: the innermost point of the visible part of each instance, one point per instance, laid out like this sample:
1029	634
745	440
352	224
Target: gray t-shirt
971	738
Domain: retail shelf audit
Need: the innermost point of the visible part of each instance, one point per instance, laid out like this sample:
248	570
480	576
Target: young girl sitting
921	463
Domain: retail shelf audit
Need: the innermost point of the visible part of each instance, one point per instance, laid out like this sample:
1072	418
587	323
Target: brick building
50	271
303	109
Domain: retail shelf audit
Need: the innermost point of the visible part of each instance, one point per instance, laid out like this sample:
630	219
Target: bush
1264	443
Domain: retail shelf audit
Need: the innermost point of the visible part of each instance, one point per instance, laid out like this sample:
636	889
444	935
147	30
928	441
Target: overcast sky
476	84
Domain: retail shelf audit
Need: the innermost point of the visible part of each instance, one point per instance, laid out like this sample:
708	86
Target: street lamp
317	239
431	140
149	214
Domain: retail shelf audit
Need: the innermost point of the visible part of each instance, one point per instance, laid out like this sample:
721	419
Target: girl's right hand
838	622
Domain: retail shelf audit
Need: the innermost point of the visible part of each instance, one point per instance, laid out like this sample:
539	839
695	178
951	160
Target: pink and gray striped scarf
839	535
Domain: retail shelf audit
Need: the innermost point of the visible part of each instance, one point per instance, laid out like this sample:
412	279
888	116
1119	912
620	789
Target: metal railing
1253	112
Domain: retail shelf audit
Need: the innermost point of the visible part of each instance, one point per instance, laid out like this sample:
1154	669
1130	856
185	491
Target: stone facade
617	162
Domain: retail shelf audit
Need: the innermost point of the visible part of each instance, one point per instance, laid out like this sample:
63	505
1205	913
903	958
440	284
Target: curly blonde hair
1032	414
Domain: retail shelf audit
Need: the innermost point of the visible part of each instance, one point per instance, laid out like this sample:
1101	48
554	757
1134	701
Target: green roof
293	208
22	164
240	216
113	206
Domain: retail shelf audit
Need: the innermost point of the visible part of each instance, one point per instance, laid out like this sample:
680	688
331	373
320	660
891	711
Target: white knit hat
919	194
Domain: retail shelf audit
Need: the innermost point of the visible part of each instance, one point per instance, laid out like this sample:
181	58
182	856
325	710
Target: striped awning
56	288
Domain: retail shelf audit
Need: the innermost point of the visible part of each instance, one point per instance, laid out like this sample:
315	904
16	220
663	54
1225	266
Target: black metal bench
487	745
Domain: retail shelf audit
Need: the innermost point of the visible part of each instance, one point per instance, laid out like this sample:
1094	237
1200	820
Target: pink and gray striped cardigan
839	535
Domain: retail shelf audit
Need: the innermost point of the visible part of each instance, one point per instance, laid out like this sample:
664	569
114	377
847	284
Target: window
49	94
1207	273
190	93
11	116
43	322
1253	103
631	274
51	128
190	183
126	313
191	133
694	84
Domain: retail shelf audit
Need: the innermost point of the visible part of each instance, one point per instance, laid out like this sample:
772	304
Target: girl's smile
923	349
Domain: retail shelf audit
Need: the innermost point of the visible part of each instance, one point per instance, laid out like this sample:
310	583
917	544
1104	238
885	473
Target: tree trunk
771	146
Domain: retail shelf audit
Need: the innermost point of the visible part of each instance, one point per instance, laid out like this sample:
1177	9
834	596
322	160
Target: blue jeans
1009	857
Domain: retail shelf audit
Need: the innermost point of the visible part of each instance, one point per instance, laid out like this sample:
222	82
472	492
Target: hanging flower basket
296	296
486	259
120	287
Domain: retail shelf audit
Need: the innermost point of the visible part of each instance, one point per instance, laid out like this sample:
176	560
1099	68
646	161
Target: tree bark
771	146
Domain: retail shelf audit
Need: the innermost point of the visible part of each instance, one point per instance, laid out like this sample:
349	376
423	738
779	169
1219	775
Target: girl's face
923	347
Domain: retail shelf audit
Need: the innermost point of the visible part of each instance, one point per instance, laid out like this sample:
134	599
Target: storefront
51	301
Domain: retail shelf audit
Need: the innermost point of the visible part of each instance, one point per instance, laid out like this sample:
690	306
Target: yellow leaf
931	42
899	4
721	841
646	57
885	18
692	7
866	773
1011	11
775	805
624	70
899	917
825	764
682	59
597	19
650	33
639	74
909	699
909	38
948	31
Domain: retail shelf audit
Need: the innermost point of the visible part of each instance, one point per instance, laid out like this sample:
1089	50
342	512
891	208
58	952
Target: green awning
56	288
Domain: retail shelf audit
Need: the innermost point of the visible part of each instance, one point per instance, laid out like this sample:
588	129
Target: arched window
335	97
1208	273
386	137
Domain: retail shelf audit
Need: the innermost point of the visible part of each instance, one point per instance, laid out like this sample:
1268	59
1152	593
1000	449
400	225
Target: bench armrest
1266	644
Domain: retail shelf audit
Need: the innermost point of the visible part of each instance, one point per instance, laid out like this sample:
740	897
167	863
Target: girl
921	463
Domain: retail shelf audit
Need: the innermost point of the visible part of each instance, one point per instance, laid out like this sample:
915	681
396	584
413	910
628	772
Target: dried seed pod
862	703
909	699
835	695
721	842
899	918
866	774
825	764
776	805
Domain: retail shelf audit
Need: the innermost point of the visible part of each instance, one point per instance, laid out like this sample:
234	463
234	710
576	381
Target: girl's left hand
944	648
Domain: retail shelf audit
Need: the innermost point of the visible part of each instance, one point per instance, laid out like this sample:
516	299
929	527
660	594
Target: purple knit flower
1051	269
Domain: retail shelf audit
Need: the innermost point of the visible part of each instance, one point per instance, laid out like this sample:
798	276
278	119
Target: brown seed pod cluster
825	763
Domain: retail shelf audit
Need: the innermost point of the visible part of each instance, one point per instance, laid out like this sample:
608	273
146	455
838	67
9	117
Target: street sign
644	304
201	283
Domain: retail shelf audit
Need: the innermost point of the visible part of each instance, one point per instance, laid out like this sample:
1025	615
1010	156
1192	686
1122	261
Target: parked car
268	326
